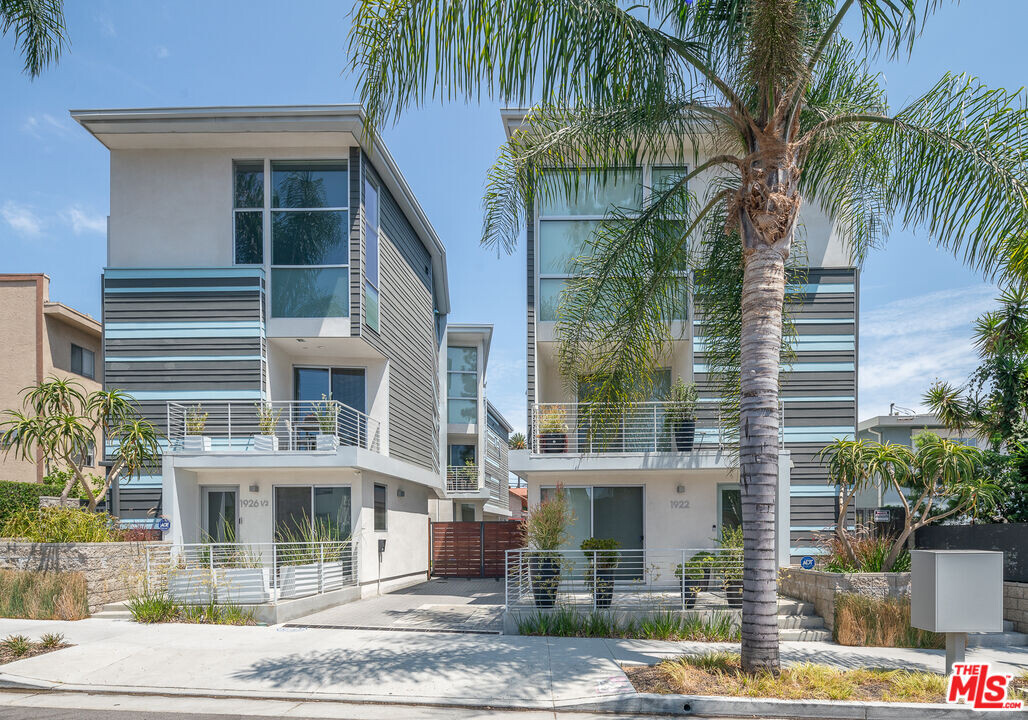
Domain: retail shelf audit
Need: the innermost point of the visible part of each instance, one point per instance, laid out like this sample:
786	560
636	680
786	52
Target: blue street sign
807	563
164	524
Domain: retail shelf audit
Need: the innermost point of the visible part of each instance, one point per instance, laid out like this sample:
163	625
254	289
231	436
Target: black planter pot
553	442
684	433
545	575
690	589
603	591
733	592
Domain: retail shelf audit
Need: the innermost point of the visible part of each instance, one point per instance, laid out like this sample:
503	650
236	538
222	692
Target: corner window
248	213
462	385
310	245
371	254
83	361
380	508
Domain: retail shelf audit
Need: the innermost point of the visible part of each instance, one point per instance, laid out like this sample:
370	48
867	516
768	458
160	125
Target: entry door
219	516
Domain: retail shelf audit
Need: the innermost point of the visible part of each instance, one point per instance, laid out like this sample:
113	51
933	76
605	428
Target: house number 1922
679	504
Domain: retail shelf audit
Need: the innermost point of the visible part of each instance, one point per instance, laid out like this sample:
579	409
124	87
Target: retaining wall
113	571
1015	605
820	588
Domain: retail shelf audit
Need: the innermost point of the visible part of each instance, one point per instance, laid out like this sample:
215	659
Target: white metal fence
659	579
594	428
249	573
462	479
269	426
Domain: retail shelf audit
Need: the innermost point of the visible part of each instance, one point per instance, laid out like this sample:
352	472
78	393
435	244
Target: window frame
384	509
474	372
274	503
82	361
372	287
236	210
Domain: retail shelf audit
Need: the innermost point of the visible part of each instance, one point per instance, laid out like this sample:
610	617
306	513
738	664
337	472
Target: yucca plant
766	106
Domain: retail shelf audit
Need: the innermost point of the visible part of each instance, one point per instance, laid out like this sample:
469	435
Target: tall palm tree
772	106
38	27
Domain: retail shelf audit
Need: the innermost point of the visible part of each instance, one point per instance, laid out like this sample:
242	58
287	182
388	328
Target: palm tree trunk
763	295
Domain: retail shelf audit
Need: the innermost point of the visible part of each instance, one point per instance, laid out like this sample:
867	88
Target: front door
219	520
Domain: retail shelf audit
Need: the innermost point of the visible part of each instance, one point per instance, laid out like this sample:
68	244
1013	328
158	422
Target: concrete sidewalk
381	666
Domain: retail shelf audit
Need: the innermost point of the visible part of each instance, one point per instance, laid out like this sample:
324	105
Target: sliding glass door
302	511
347	385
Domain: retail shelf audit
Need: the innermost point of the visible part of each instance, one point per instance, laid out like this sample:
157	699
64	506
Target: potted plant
601	559
196	421
680	415
546	531
692	576
729	561
267	421
326	415
553	429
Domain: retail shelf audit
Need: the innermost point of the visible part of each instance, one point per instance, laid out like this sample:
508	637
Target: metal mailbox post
956	592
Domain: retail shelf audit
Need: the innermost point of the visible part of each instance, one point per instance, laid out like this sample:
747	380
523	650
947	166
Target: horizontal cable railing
683	579
249	573
462	479
270	426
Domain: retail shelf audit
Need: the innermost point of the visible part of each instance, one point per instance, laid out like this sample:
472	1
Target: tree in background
939	479
993	403
768	105
38	27
58	422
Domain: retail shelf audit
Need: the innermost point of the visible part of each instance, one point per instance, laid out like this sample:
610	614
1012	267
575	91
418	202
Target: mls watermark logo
974	684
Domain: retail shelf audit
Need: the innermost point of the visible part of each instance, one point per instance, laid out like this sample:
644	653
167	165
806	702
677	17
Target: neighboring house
901	428
270	258
624	481
476	433
518	503
41	339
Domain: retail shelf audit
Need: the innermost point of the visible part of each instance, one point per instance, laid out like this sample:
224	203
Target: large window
248	213
461	455
462	385
567	224
83	362
371	259
303	510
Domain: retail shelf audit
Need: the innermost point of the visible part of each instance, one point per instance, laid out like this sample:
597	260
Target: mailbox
956	591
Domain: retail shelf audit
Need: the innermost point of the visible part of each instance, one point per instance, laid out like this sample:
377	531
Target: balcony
586	429
269	427
462	481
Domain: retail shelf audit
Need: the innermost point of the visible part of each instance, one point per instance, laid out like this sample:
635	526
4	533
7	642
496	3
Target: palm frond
38	27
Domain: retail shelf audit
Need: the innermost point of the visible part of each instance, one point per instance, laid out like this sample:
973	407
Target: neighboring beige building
39	339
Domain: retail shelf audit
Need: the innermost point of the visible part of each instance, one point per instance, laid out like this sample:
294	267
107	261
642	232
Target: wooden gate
472	549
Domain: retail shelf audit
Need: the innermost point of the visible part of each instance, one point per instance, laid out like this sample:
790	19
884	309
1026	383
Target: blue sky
917	303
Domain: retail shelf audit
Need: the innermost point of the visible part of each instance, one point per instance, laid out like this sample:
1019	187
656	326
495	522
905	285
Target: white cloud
83	221
22	219
161	52
43	125
907	344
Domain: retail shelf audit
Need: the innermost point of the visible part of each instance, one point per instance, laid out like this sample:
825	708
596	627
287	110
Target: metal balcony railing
270	426
249	573
647	427
644	579
462	479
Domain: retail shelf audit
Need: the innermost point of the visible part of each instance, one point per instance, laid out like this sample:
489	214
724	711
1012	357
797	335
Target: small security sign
164	524
807	563
883	515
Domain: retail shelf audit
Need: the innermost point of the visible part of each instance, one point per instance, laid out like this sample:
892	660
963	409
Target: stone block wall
1015	605
113	571
820	588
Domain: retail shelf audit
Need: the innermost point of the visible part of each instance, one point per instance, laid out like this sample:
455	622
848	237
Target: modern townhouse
39	339
276	300
476	432
627	482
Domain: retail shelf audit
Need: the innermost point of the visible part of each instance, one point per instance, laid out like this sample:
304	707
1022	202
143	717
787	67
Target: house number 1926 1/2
254	503
679	504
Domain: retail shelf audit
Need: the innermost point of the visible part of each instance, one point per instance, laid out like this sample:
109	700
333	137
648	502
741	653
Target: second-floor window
300	230
462	385
371	254
83	361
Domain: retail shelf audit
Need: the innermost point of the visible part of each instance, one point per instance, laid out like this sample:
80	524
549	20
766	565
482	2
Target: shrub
43	595
871	551
153	608
546	527
159	608
50	641
58	525
669	625
861	620
17	496
16	645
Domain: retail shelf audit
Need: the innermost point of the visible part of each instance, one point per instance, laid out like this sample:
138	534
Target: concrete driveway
453	605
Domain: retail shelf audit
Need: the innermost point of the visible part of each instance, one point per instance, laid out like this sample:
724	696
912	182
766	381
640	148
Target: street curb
640	704
734	707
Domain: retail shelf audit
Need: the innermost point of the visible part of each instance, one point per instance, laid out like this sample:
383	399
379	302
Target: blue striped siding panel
186	272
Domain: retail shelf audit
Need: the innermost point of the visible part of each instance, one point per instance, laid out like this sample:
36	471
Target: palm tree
771	106
38	27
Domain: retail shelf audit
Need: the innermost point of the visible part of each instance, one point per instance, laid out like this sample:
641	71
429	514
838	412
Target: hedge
15	496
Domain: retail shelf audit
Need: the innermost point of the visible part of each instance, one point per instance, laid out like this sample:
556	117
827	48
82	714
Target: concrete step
796	622
804	635
113	615
992	640
788	606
